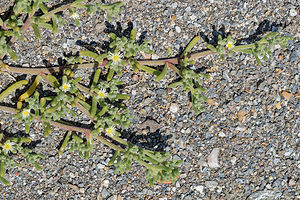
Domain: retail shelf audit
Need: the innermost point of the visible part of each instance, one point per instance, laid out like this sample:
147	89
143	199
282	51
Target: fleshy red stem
35	71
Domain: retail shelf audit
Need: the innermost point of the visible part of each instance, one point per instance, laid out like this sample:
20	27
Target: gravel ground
250	123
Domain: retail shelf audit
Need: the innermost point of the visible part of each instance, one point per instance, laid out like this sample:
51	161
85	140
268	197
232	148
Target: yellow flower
110	131
75	16
114	57
229	44
101	94
8	146
26	113
66	87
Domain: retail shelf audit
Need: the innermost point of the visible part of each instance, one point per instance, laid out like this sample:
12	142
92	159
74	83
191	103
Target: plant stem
115	147
68	128
59	9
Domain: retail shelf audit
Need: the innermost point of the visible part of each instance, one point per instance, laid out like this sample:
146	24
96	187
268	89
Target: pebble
200	188
262	195
100	166
212	159
211	184
106	183
233	160
105	193
174	108
293	12
177	29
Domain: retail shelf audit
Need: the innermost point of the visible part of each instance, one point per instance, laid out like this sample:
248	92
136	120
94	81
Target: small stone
241	114
177	29
133	92
82	190
100	166
135	77
153	125
154	57
106	183
233	160
212	159
171	33
143	112
222	134
99	27
241	129
211	102
199	188
202	163
278	105
174	5
292	183
211	184
286	95
193	17
104	193
74	187
262	195
293	12
174	108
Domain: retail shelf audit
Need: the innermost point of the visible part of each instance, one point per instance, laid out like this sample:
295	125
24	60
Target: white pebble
174	108
177	29
211	184
193	17
221	134
293	12
199	188
106	183
154	57
81	190
100	166
233	160
212	159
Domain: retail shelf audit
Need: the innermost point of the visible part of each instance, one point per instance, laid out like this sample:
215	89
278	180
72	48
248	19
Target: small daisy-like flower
114	57
26	113
75	16
8	146
110	131
230	44
66	87
101	94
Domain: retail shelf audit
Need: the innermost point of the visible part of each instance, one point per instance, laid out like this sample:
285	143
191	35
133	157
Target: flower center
66	87
229	45
115	58
26	112
101	94
110	131
7	146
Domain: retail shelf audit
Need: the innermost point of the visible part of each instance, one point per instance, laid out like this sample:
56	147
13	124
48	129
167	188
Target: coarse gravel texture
244	146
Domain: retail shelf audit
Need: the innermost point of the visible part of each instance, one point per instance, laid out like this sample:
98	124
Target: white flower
110	131
75	16
230	44
66	87
8	146
26	113
114	57
101	94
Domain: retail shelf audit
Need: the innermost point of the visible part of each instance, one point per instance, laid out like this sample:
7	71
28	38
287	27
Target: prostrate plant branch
157	62
68	128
